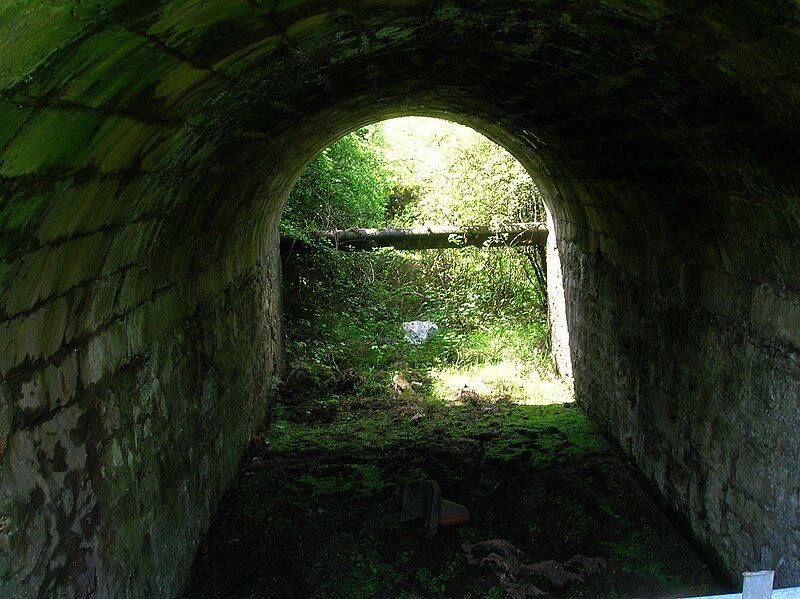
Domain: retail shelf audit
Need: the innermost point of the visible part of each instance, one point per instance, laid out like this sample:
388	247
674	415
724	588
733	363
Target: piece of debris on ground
506	562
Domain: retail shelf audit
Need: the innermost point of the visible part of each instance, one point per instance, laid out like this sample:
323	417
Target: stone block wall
671	355
120	445
146	149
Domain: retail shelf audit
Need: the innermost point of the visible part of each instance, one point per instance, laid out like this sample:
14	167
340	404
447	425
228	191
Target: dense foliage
456	176
417	171
346	186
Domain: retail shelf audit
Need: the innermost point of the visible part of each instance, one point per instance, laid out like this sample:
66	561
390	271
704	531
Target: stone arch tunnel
145	151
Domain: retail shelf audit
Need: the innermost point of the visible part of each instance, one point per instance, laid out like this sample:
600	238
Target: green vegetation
352	351
348	361
416	171
344	310
477	407
346	186
444	173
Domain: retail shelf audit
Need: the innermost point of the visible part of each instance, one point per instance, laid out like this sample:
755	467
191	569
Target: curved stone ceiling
146	148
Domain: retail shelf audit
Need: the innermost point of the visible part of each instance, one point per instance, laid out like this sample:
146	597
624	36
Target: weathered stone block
50	388
78	210
50	139
776	315
130	244
50	272
104	353
15	115
34	336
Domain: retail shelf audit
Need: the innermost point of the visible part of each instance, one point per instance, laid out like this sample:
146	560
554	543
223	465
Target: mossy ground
315	512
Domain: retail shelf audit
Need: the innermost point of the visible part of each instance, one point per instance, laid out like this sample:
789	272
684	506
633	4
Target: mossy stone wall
146	149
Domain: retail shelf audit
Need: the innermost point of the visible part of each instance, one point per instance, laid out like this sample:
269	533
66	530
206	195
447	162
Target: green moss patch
317	510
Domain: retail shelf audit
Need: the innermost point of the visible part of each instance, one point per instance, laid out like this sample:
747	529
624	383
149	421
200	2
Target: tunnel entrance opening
477	407
490	301
146	149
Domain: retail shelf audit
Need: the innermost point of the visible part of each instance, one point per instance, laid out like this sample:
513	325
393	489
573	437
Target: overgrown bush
347	185
409	172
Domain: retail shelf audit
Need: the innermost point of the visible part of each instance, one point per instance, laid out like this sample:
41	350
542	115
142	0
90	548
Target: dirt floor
316	513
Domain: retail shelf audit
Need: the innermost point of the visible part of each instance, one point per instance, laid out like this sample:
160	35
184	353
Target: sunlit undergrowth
505	432
358	348
344	311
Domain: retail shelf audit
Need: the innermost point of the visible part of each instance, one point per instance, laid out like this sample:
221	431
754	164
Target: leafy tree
347	185
459	176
